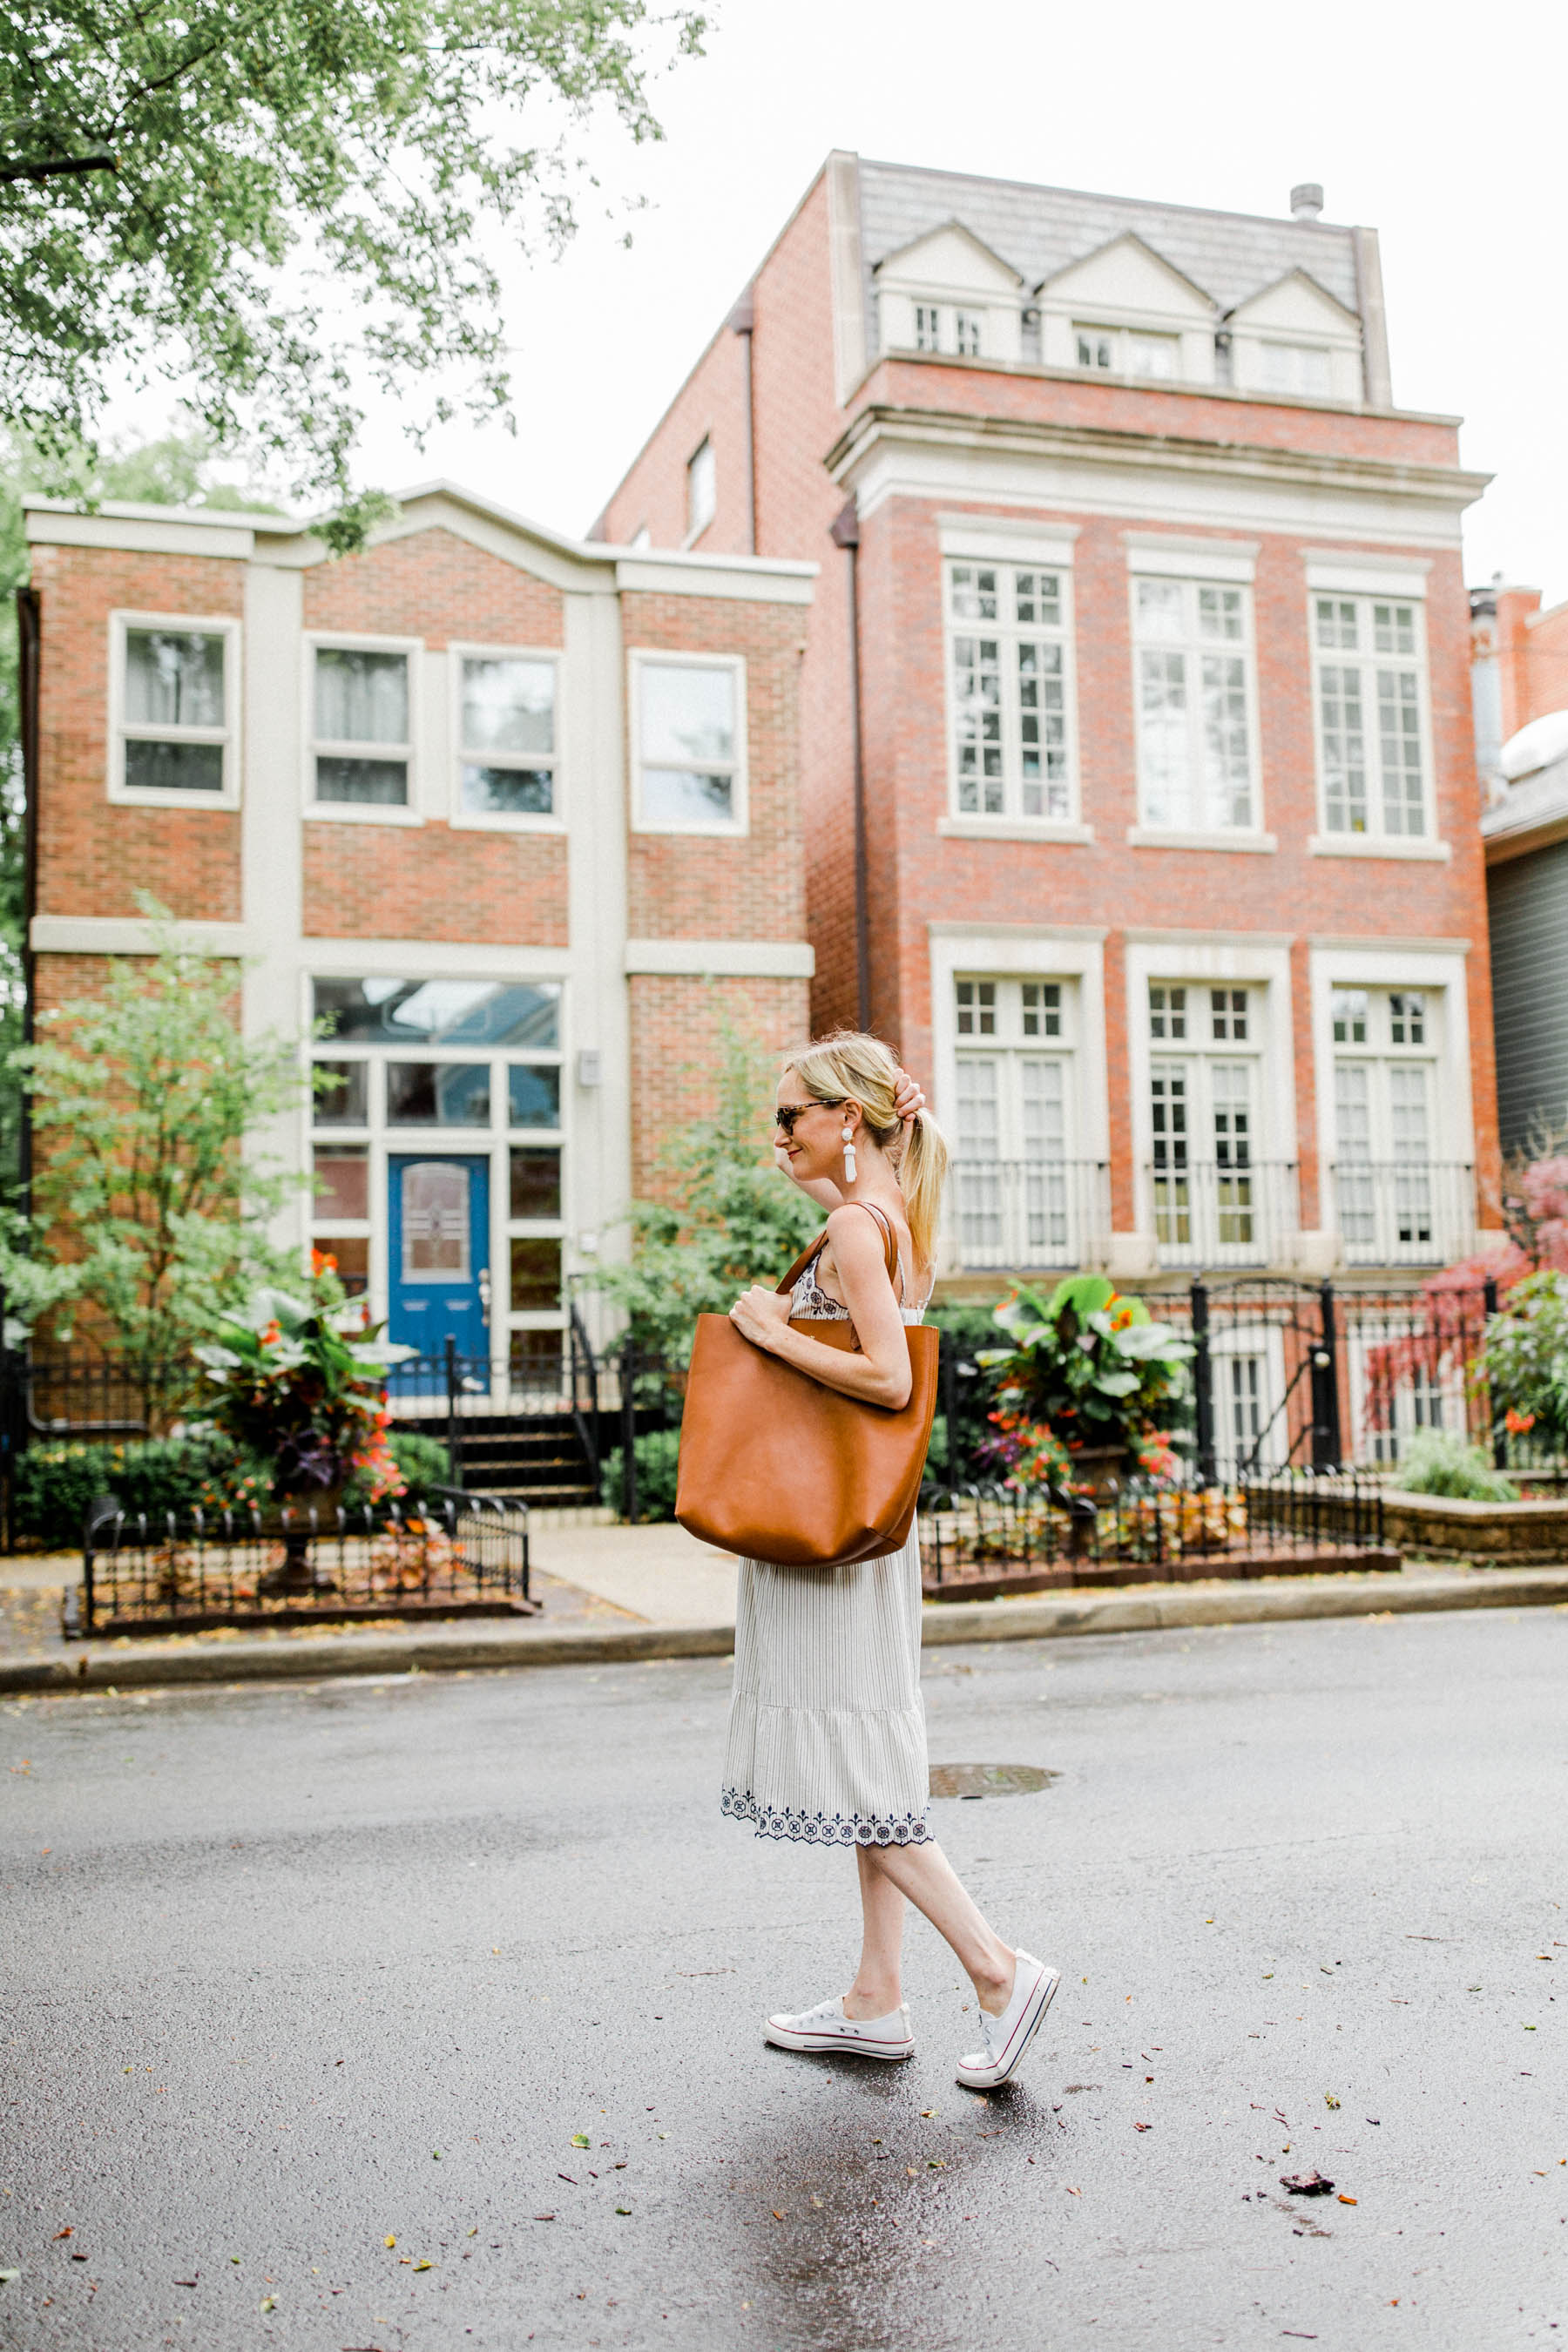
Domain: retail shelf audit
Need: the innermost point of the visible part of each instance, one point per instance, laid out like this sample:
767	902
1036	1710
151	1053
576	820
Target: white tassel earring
848	1153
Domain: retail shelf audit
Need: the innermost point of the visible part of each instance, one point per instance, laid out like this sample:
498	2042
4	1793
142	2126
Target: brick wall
678	1043
96	855
434	882
435	585
1532	657
796	421
918	875
684	886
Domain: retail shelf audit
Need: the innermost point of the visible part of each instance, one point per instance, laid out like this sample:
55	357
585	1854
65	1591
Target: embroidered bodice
809	1303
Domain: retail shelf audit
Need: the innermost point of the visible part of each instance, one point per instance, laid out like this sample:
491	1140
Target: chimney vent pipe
1306	200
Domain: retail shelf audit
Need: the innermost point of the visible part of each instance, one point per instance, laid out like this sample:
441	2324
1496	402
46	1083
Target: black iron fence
979	1543
447	1554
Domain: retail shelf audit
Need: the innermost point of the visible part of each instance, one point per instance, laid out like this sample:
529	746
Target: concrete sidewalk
613	1593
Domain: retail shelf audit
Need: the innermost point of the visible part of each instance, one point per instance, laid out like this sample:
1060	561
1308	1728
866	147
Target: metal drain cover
989	1780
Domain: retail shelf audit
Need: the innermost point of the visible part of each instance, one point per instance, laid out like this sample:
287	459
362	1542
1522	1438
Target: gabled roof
1130	238
955	227
1314	284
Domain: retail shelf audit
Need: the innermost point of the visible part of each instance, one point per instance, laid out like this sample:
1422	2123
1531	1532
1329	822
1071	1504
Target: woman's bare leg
924	1874
877	1988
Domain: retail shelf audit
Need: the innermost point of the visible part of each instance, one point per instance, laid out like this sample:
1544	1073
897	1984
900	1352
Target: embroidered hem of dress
825	1829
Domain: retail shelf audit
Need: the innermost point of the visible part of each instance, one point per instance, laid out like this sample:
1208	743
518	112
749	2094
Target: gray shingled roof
1040	230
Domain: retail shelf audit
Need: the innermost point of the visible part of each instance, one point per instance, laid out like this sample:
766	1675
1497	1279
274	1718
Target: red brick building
518	819
1144	658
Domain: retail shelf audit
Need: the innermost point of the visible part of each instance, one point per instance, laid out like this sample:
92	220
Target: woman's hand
908	1097
758	1315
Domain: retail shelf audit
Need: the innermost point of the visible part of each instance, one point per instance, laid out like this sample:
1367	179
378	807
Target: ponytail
851	1065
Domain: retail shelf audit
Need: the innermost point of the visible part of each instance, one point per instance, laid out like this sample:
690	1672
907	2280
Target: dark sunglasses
786	1114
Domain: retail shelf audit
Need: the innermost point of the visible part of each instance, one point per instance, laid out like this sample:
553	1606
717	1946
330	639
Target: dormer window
1129	350
938	329
1300	369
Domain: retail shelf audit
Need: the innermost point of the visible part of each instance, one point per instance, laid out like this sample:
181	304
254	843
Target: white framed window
174	702
689	743
1016	1195
507	729
1303	370
1128	351
966	334
361	707
1198	756
701	490
957	331
928	326
1009	687
1204	1110
1388	1187
1373	762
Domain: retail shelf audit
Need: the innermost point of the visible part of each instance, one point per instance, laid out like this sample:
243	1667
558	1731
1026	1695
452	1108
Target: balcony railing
1030	1212
1405	1211
1219	1212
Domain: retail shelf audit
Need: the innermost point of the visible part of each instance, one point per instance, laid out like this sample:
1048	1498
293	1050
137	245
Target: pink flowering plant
300	1382
1084	1369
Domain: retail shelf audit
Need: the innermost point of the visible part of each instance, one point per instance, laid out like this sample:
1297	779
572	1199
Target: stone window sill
1148	837
1367	845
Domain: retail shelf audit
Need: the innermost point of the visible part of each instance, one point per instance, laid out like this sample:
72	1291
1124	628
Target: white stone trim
111	935
721	959
1353	572
1149	836
1063	830
984	540
1378	845
1163	554
738	578
138	534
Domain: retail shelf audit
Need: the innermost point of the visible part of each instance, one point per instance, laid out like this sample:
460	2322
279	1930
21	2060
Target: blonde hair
851	1066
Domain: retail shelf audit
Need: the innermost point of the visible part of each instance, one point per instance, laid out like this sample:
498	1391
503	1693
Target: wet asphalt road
291	1972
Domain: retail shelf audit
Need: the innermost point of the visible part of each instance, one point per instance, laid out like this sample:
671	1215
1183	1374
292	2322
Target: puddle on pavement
989	1780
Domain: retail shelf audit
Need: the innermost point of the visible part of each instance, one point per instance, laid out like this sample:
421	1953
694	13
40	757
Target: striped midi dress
827	1739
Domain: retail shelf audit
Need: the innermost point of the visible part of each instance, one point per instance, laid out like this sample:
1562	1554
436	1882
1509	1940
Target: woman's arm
879	1372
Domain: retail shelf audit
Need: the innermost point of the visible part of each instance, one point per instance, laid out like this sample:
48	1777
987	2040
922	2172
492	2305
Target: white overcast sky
1442	127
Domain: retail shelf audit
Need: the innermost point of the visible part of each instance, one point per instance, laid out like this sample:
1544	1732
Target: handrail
587	1424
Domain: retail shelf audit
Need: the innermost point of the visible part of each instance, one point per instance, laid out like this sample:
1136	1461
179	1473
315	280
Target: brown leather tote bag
775	1466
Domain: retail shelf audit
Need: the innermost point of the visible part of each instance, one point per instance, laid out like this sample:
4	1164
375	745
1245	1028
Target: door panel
438	1253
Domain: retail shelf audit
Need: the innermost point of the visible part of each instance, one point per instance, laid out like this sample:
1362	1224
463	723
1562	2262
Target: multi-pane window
689	731
1203	1112
1371	696
506	728
1129	350
701	490
174	709
1008	652
1386	1110
938	329
450	1070
1194	737
1301	369
1013	1109
362	735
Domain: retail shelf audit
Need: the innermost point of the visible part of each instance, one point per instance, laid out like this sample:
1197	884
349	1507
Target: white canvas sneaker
826	2027
1008	2036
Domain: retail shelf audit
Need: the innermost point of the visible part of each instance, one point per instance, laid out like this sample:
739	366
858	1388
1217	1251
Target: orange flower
271	1336
322	1261
1516	1423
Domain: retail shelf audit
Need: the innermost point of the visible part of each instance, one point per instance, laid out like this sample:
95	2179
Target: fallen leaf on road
1347	2200
1143	2126
385	2242
625	2210
544	2217
63	2234
190	2282
581	2139
268	2303
1305	2184
422	2266
567	2177
776	2214
1330	2100
7	2276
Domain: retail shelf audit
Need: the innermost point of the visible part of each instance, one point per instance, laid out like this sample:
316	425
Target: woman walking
826	1742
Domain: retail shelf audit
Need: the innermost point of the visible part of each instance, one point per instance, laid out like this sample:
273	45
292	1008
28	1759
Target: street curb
1053	1618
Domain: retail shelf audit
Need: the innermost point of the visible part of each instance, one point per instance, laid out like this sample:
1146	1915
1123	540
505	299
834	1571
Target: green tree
735	1219
150	1197
280	203
181	469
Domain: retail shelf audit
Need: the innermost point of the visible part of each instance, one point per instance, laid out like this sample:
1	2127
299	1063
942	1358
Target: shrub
55	1483
1525	1359
422	1460
655	1453
1436	1464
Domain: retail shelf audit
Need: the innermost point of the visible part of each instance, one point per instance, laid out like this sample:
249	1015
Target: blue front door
438	1233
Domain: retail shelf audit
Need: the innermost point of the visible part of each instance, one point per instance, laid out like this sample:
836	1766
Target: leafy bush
1524	1359
655	1453
422	1460
55	1483
1437	1463
1086	1368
